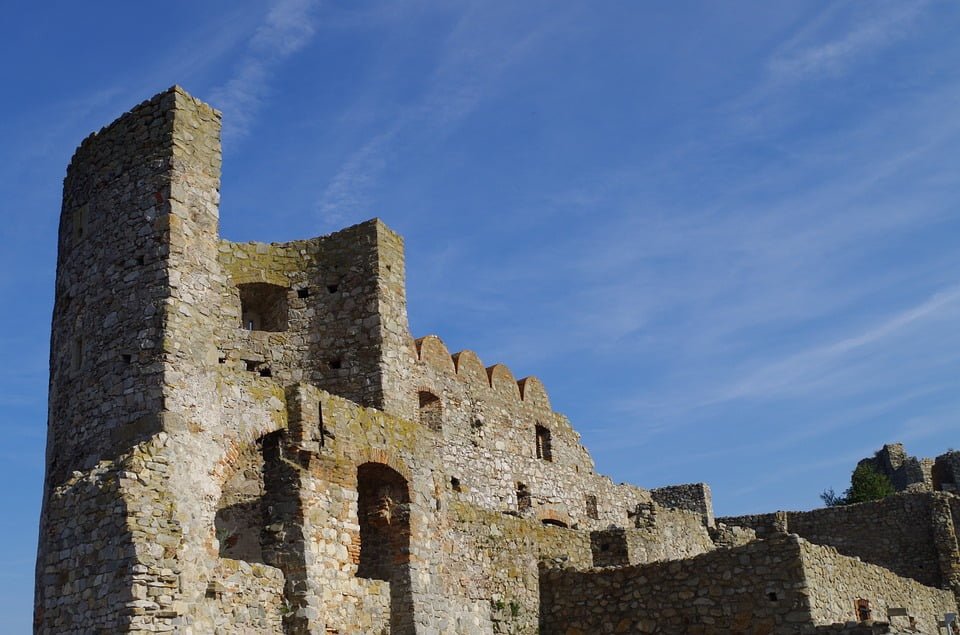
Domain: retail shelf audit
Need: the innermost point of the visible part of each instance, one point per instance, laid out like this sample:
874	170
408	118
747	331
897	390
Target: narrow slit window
544	450
592	511
76	354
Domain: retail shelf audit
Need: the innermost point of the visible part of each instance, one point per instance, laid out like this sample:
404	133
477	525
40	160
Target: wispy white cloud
813	53
467	70
288	27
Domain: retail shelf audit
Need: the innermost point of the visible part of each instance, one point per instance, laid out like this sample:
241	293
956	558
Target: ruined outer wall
489	428
723	591
334	290
695	497
835	582
897	533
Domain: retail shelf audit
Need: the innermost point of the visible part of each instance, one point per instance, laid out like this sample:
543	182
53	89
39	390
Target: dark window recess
383	511
221	360
455	483
772	596
592	511
524	500
303	293
127	358
431	410
335	364
266	372
333	288
553	522
263	307
76	354
251	365
81	222
141	260
544	451
863	609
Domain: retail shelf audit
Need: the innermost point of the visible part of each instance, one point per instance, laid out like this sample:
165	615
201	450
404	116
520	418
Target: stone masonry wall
835	583
693	497
896	532
757	588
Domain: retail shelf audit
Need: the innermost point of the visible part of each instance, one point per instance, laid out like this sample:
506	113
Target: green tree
866	484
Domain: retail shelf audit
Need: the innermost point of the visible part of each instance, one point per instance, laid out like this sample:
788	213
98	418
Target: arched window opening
544	451
239	518
263	306
383	509
431	411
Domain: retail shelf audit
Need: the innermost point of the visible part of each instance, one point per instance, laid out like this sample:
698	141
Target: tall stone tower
171	351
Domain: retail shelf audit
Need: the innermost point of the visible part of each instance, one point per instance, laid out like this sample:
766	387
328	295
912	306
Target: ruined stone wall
757	588
782	584
522	456
946	472
695	497
896	532
667	534
330	287
835	583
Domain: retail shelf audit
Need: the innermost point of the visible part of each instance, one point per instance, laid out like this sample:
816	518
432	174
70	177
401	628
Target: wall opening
383	512
544	451
524	500
81	221
553	522
863	609
431	411
476	429
239	519
263	306
76	354
592	511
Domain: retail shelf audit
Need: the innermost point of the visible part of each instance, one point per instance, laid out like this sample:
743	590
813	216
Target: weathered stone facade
245	438
940	474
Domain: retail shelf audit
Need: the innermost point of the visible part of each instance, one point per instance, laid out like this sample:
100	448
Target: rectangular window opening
592	511
303	293
544	451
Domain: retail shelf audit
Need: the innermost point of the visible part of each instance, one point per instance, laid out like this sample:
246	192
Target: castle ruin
245	438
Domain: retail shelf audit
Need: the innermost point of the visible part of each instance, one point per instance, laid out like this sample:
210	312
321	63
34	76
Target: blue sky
724	235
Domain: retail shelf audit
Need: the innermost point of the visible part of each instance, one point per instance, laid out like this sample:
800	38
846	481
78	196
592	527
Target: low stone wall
835	582
695	497
757	588
671	534
895	533
782	584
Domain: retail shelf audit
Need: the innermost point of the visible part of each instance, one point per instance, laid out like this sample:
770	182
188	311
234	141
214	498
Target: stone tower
153	315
